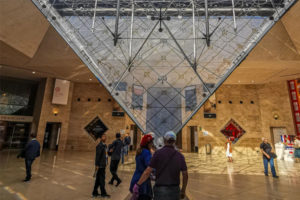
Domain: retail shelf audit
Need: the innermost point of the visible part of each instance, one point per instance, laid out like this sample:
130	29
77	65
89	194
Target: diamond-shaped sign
96	128
233	131
168	55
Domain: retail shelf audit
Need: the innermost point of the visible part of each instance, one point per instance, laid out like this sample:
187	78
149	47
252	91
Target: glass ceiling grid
162	45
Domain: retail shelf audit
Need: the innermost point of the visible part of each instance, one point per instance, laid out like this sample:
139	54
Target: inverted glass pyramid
162	59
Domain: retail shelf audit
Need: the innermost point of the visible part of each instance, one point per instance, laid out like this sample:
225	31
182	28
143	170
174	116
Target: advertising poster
61	92
190	98
137	97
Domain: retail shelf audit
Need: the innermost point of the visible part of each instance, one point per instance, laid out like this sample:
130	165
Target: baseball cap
170	135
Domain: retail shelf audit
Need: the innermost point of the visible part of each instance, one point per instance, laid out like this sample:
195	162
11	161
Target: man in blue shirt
31	151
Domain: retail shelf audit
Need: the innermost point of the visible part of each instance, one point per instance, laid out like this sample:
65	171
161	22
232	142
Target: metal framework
162	59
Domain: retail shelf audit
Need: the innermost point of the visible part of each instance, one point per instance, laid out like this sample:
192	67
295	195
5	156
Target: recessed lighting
33	72
90	79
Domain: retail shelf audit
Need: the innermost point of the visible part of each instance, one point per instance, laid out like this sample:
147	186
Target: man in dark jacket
100	165
31	151
116	150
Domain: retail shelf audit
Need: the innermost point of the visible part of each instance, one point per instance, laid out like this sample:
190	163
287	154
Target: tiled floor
68	175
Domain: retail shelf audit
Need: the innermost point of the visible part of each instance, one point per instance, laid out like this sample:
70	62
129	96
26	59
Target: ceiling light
252	81
179	16
33	72
90	79
239	81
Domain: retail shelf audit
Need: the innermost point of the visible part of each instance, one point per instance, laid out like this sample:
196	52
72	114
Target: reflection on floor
217	164
68	175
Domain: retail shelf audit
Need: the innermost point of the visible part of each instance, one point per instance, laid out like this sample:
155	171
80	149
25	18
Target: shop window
17	96
233	131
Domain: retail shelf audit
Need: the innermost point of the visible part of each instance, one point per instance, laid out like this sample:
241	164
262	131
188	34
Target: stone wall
91	100
255	118
47	115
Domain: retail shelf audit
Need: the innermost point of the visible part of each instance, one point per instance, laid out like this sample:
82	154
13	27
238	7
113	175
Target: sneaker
266	174
275	176
26	180
105	195
118	183
110	182
94	195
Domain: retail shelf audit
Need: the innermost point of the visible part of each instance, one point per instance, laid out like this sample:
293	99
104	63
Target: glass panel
17	96
161	60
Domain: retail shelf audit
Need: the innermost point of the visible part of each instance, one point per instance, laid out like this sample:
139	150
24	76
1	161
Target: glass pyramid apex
162	59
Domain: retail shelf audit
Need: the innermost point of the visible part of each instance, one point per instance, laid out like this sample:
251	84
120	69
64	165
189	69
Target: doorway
51	138
179	140
134	136
14	135
276	133
194	139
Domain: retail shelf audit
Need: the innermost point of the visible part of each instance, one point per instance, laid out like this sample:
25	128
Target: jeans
271	165
113	169
124	152
100	181
28	163
166	193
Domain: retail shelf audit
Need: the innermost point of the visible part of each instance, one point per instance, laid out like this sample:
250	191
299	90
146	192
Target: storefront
17	99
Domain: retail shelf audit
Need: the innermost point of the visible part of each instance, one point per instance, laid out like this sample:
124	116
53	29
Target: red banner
294	89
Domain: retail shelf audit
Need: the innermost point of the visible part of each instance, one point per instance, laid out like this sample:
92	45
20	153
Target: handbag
273	155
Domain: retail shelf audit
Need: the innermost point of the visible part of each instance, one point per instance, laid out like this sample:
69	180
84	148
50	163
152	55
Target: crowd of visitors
159	164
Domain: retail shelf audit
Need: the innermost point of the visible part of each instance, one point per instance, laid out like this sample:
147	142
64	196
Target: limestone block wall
91	100
254	115
47	115
274	99
255	118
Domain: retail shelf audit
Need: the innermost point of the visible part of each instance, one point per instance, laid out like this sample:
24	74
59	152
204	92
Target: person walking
116	150
30	153
126	142
100	165
228	146
168	163
142	160
297	149
268	157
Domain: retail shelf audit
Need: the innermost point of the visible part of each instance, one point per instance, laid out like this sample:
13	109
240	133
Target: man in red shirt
168	163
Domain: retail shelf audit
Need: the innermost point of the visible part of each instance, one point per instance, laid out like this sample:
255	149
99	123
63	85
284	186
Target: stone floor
68	175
